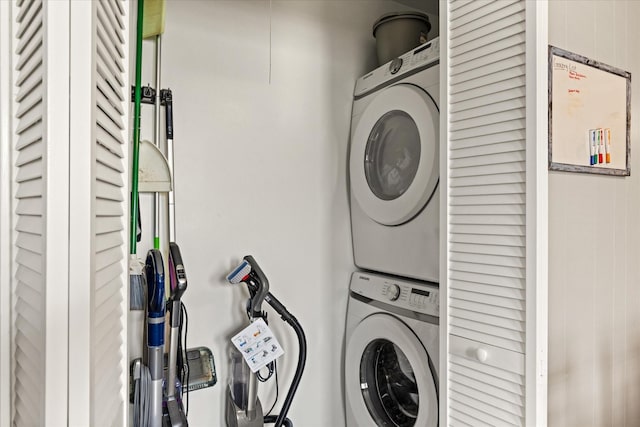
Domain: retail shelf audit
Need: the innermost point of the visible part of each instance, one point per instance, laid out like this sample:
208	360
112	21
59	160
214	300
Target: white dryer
394	166
392	353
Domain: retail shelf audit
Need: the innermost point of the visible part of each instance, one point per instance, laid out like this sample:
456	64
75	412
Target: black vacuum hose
282	419
270	419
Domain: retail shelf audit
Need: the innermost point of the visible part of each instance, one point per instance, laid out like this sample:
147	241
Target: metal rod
173	349
155	366
156	139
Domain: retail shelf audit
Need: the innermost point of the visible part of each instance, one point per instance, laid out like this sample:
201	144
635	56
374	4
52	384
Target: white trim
14	216
124	318
537	213
56	199
81	209
444	214
6	48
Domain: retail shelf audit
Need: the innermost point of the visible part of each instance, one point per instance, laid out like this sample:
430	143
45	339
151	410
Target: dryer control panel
414	296
425	55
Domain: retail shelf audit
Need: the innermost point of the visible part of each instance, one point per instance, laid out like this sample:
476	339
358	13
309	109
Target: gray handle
262	285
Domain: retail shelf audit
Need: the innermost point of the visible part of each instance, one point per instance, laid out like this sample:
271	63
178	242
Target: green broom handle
136	132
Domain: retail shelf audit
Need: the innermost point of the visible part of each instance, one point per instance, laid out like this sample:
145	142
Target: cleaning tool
156	141
175	416
141	402
244	386
154	271
136	281
178	285
153	26
153	18
167	97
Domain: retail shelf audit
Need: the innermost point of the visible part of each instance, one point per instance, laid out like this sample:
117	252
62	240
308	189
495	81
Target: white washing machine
392	353
394	166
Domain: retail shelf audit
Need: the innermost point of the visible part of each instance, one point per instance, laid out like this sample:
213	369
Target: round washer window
392	155
388	385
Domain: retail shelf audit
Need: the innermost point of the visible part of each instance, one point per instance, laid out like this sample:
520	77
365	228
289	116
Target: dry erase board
589	115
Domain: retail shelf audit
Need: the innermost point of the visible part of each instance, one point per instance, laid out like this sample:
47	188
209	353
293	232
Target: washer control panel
421	56
419	297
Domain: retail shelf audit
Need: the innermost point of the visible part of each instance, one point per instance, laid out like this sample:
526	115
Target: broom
136	279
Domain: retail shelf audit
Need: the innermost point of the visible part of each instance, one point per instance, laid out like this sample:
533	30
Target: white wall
594	230
262	101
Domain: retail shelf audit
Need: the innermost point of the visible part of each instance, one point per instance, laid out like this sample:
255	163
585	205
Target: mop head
137	285
153	21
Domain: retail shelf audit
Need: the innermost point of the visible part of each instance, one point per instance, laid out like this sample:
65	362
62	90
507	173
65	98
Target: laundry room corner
262	95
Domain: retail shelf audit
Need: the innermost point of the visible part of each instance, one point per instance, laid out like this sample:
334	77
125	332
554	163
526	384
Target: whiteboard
589	115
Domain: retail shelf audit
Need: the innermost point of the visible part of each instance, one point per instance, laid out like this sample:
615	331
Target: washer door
394	162
388	379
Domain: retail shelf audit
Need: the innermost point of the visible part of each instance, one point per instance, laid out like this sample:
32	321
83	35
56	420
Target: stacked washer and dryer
392	334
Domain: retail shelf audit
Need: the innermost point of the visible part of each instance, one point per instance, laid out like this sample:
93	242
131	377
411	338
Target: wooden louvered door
488	206
69	209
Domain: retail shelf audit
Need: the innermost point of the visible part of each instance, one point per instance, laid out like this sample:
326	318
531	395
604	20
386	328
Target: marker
607	136
601	151
592	147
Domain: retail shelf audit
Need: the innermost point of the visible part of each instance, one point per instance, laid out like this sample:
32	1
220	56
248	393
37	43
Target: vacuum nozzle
240	273
250	272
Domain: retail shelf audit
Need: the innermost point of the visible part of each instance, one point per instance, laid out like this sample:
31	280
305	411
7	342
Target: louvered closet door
108	301
70	109
30	350
486	207
99	104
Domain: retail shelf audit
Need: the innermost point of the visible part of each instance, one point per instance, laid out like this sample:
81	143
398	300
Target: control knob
395	65
393	292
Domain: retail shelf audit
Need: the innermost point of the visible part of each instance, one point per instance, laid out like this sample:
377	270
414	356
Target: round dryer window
388	377
392	155
394	161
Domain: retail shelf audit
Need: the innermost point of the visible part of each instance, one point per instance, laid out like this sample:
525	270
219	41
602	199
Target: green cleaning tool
136	279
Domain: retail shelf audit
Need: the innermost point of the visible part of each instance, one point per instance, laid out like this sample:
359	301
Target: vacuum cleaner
154	270
243	406
174	415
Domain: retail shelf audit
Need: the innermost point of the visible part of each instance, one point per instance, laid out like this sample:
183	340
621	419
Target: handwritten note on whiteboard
589	115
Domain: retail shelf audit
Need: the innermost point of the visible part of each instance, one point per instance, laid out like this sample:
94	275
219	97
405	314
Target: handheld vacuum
243	405
174	416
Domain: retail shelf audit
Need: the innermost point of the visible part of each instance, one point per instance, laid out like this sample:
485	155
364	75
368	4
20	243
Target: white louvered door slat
487	187
480	16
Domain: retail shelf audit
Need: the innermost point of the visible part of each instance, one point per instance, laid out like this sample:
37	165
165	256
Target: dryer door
394	160
388	376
